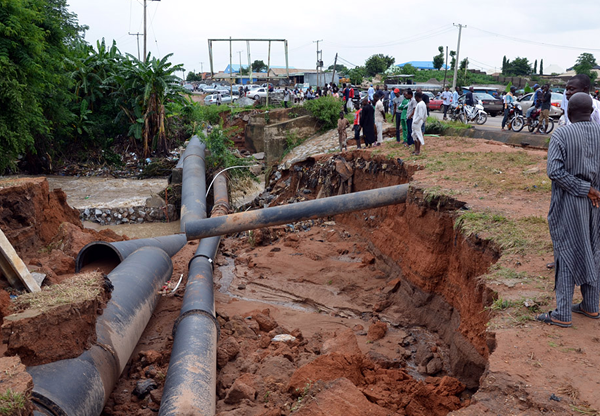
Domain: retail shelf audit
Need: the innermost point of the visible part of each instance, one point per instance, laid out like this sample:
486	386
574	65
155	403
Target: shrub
220	154
326	110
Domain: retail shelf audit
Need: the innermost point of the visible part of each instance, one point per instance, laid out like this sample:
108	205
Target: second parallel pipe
284	214
190	386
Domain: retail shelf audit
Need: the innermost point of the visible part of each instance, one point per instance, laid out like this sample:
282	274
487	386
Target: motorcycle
516	122
535	123
469	114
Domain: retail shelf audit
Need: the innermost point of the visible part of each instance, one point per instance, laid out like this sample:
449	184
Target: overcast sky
555	31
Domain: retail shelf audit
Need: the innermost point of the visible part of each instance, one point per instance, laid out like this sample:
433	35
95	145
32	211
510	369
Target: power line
532	42
420	36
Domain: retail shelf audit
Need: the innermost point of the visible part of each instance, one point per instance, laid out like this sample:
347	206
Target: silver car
526	102
212	99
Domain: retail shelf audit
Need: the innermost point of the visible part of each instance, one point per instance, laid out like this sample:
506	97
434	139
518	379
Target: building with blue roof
422	65
235	68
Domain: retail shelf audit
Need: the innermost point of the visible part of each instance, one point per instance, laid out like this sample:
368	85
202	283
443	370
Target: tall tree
438	60
535	67
518	67
584	65
258	66
452	59
35	38
377	64
541	67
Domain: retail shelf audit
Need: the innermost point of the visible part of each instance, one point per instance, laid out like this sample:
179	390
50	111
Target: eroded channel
335	283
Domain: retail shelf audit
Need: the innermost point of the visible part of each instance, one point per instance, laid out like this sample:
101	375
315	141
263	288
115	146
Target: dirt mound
44	230
57	323
30	214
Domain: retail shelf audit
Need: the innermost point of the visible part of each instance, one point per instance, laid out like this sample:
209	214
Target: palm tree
143	90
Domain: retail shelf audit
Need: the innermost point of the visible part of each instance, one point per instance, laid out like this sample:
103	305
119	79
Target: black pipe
81	386
284	214
190	386
193	188
118	251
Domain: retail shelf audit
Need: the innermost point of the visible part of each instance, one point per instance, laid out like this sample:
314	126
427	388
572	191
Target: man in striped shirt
574	216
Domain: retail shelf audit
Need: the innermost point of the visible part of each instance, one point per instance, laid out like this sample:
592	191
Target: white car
257	93
212	99
526	101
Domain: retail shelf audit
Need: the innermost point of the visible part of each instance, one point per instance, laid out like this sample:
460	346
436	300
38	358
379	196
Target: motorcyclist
536	103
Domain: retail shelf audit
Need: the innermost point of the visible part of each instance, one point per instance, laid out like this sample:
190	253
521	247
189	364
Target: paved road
492	123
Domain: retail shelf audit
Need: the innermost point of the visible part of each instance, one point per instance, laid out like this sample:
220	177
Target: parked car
257	93
227	90
225	99
491	105
434	103
188	87
526	101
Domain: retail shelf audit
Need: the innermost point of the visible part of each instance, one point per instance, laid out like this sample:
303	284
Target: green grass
488	171
513	236
12	403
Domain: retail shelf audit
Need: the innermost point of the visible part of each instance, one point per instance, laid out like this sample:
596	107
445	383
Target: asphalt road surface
492	123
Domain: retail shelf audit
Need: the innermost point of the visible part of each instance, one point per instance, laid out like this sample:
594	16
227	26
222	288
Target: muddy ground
423	308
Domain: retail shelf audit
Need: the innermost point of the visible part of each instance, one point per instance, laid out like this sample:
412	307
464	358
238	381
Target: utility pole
145	53
138	41
318	60
230	71
445	69
202	67
240	54
268	70
457	54
334	65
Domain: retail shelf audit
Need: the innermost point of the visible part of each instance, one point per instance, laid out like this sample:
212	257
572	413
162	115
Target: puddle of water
88	192
143	230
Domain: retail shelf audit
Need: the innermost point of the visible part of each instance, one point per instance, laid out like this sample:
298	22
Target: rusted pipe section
81	386
284	214
193	188
118	251
190	386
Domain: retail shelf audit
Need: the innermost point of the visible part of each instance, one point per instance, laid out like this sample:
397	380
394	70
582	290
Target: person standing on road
357	127
410	111
425	99
545	103
508	99
379	117
286	97
419	117
579	83
346	95
367	122
219	98
370	93
446	100
574	216
386	98
397	112
343	124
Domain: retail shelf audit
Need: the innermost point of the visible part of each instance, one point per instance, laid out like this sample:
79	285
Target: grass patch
490	171
12	403
291	141
81	288
513	236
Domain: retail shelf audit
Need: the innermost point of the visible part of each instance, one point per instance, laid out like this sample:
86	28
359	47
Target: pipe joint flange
223	205
44	405
197	312
210	261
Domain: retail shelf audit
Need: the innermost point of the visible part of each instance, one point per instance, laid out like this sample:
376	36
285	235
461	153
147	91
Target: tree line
62	98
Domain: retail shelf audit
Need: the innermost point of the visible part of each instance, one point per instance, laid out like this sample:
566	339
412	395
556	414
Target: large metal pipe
193	188
118	251
81	386
190	386
284	214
